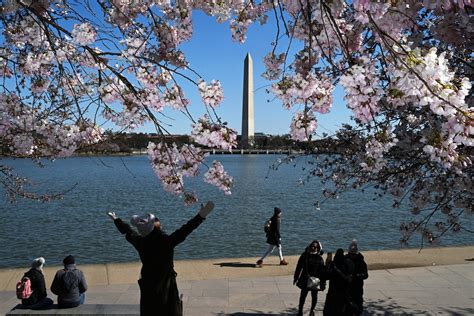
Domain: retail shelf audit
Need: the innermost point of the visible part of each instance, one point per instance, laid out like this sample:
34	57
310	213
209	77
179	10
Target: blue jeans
82	298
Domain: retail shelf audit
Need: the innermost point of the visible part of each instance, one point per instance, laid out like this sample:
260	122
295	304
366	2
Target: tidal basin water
77	224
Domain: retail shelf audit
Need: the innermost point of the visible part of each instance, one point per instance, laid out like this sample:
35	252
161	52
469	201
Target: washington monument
248	131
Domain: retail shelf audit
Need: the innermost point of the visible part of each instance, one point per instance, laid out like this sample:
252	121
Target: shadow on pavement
387	307
288	312
456	311
253	314
236	264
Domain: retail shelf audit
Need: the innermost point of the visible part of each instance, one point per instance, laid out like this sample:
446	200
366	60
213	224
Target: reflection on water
78	224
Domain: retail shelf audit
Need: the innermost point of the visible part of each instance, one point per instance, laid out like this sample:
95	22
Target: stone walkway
432	290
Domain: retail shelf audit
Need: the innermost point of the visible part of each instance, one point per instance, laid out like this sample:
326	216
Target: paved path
207	269
431	290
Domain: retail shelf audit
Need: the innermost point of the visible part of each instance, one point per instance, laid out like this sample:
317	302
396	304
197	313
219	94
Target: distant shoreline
118	154
209	151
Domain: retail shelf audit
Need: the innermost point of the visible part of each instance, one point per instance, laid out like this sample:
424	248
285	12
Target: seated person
69	284
37	299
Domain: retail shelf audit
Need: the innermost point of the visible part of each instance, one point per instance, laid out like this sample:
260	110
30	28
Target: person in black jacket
38	298
338	301
69	284
356	287
158	289
309	264
273	238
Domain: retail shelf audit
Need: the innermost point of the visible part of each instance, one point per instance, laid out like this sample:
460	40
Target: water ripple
77	224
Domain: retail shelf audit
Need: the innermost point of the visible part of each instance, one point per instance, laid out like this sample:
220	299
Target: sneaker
283	262
259	263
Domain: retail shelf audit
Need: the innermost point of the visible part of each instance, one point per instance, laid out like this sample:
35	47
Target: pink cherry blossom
216	175
303	126
376	147
214	135
272	64
84	34
362	91
174	97
212	94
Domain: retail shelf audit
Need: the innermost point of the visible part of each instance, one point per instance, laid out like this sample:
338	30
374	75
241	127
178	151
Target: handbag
313	282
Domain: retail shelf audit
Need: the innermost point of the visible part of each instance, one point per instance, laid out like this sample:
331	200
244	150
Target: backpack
70	281
266	227
23	288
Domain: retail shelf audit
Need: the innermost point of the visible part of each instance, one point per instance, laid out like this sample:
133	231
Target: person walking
339	271
356	287
273	238
38	298
310	264
158	289
69	284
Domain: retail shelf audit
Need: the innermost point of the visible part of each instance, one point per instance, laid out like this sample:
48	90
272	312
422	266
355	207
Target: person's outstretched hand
112	215
206	209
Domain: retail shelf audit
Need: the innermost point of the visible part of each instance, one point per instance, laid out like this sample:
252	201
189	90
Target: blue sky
214	55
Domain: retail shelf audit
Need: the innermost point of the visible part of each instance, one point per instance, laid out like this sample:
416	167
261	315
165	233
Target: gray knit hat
38	263
144	223
353	247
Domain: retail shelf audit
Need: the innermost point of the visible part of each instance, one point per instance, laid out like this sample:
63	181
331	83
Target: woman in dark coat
309	264
338	302
158	289
38	298
356	287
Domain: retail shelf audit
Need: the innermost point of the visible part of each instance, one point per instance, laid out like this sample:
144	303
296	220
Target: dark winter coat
356	287
312	265
68	284
338	302
38	286
158	288
273	234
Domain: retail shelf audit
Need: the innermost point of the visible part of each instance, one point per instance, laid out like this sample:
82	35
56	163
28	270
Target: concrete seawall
211	269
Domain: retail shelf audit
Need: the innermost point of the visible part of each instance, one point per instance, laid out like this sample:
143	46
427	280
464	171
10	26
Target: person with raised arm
159	293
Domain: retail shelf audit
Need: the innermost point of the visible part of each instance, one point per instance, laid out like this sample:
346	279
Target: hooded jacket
38	286
310	265
360	268
68	284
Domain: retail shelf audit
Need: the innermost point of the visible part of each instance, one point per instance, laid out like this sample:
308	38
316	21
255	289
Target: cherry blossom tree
405	67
